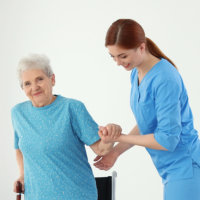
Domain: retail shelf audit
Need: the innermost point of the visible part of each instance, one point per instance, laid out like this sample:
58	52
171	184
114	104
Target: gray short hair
34	61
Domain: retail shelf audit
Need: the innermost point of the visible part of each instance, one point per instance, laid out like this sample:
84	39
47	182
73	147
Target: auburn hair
128	34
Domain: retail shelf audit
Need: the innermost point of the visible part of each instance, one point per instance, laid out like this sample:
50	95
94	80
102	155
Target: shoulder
167	79
20	106
70	102
19	109
166	73
76	108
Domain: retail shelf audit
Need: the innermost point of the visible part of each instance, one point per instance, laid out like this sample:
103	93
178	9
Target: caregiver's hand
106	162
110	132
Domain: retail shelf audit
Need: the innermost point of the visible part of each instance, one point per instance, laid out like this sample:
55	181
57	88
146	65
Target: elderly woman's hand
21	180
110	132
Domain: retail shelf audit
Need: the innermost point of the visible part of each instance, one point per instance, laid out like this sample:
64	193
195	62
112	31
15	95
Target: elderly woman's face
38	86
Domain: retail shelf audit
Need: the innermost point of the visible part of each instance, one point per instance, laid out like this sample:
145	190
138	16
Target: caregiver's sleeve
168	111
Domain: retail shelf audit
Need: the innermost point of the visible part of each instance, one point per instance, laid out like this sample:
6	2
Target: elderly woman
50	136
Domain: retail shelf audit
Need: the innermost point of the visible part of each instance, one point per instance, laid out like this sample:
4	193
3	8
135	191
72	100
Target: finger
105	131
106	168
101	134
102	167
101	128
112	131
99	168
118	133
99	165
97	158
109	128
96	164
115	131
120	129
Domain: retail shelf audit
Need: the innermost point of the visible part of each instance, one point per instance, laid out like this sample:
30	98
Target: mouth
36	94
126	66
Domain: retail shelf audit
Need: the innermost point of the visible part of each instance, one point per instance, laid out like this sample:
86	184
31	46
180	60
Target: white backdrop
71	34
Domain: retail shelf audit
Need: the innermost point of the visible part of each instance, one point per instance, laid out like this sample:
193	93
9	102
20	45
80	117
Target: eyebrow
118	55
41	76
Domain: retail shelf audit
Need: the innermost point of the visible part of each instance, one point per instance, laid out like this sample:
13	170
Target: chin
129	68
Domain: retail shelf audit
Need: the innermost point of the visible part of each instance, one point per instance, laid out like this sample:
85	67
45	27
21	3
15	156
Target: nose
118	61
35	86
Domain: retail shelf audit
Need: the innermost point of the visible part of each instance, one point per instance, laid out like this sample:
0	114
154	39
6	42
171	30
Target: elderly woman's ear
53	79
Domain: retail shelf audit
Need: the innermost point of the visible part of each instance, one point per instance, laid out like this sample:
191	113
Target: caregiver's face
38	86
128	58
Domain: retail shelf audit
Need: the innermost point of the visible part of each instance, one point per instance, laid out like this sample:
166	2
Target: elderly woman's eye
40	78
27	83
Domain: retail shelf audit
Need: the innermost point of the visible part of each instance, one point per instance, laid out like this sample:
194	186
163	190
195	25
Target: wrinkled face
128	58
38	86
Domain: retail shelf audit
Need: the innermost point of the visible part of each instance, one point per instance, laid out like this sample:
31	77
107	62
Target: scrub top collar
148	73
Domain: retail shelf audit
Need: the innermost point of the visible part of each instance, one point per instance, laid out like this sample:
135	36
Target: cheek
47	87
27	92
131	60
136	58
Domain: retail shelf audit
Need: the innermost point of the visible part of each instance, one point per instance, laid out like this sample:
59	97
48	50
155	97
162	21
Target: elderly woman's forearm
105	148
19	158
100	148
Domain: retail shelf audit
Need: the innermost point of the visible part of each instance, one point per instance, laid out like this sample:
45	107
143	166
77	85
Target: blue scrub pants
186	189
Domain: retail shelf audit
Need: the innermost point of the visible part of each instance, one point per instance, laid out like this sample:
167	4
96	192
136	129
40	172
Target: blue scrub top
160	105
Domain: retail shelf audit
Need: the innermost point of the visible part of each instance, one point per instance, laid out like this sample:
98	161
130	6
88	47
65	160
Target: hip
184	189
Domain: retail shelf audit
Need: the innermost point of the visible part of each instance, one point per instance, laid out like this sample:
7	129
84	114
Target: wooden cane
19	190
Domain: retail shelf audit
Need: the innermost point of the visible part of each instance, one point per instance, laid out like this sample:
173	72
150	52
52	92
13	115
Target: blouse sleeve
16	138
168	110
83	124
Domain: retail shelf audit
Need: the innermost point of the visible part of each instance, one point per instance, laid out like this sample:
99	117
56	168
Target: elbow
168	143
171	148
172	144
